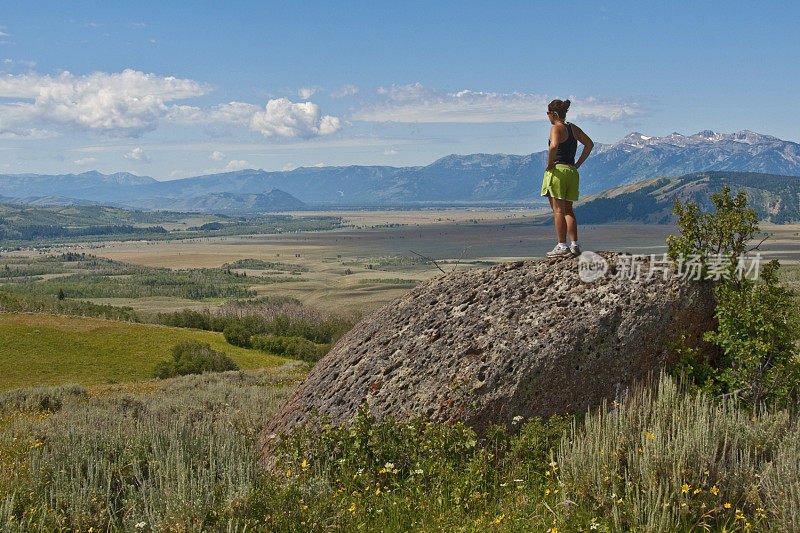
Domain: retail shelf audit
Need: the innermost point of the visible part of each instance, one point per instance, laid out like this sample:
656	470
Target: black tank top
565	154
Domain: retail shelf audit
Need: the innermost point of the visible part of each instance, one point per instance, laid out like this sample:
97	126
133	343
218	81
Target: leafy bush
757	319
722	234
294	347
237	335
193	357
758	334
263	317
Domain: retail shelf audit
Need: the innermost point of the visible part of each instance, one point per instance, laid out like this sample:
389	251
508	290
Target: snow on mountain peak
636	139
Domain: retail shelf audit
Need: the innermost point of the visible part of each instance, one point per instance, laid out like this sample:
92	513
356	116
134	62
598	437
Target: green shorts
561	182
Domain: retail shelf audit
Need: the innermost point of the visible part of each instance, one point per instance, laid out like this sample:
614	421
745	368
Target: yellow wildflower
727	505
714	490
684	488
304	464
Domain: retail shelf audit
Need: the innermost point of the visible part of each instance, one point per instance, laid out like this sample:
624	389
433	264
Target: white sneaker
575	249
558	250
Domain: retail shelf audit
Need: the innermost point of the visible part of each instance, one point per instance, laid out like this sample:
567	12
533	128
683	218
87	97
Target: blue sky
172	89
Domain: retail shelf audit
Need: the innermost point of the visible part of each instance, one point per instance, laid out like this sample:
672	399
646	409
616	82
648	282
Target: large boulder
526	338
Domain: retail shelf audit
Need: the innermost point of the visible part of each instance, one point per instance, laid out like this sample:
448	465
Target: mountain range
454	178
776	198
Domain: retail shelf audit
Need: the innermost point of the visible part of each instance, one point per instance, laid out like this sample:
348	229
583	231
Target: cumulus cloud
137	154
390	151
345	91
85	161
417	103
306	92
216	155
125	104
286	119
131	103
236	165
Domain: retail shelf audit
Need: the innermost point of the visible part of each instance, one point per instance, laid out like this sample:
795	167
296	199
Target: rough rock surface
526	338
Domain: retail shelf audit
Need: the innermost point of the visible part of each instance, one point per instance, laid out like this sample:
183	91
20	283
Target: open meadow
39	349
359	269
88	439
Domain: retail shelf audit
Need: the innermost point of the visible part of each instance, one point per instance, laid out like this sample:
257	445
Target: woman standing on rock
561	176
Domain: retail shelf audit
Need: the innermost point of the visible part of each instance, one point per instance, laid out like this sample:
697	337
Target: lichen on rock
524	338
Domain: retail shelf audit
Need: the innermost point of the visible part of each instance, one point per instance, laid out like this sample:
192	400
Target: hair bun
559	107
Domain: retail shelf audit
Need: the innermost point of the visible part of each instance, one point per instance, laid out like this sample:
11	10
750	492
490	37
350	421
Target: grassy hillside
40	349
775	198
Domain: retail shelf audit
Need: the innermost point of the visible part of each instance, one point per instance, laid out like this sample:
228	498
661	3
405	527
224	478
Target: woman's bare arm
585	141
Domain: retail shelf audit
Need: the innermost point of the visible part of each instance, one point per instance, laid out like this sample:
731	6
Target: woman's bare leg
572	222
558	215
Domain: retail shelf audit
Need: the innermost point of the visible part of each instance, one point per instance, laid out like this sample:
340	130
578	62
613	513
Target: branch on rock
429	259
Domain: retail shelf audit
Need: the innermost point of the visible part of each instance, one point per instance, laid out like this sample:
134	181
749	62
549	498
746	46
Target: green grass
38	349
181	455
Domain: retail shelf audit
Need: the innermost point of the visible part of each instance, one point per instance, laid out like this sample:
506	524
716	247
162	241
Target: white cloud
216	155
236	165
306	92
27	134
286	119
29	64
390	151
137	154
131	103
85	161
345	91
126	104
280	117
416	103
